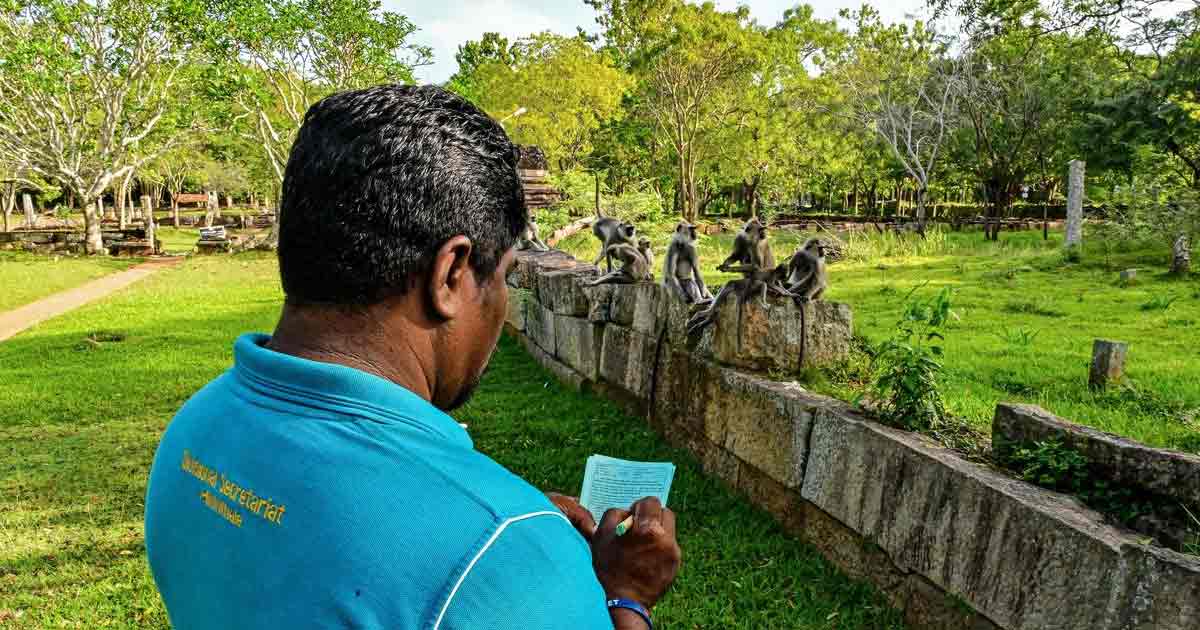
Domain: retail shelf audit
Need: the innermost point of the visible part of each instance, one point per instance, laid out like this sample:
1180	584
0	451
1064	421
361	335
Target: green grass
79	422
1027	320
29	277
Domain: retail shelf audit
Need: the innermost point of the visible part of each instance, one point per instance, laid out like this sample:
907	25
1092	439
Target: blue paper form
609	482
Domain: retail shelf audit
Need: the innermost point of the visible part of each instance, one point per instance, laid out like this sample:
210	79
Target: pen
625	525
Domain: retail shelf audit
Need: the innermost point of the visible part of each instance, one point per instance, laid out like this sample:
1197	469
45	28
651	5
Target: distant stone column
27	204
1075	205
1108	363
148	215
213	208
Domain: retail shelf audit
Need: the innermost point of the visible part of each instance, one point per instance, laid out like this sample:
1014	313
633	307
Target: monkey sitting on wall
807	281
750	250
530	239
755	282
612	231
647	253
634	267
681	267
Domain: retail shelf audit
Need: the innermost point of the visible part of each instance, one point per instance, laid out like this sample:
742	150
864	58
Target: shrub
909	366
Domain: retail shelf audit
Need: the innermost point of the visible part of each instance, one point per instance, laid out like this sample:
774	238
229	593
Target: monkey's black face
762	232
629	230
692	232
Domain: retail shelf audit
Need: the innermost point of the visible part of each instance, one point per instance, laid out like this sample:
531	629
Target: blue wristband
629	604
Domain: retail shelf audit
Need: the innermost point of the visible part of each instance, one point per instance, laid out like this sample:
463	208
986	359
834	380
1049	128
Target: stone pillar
27	204
1075	205
148	215
213	208
1108	363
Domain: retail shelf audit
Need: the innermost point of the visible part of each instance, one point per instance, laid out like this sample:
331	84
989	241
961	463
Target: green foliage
1159	302
1018	336
909	365
1054	465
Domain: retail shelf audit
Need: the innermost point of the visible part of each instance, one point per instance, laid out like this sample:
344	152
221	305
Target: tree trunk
597	174
93	242
1075	205
1181	256
148	215
122	212
174	211
27	205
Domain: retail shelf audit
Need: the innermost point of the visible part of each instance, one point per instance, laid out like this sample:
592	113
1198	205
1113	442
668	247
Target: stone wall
952	543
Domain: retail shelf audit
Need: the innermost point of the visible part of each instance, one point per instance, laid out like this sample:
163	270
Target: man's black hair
379	179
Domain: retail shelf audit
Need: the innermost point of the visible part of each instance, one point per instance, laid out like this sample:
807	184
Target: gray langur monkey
755	282
530	239
634	267
648	253
807	281
681	266
750	250
612	231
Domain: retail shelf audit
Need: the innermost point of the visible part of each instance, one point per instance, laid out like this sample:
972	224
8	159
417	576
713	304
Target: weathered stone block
563	373
764	423
562	291
770	338
1022	556
529	264
1121	460
649	307
577	342
627	360
539	325
599	303
623	306
517	299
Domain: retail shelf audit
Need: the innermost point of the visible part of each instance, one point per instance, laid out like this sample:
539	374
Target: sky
444	24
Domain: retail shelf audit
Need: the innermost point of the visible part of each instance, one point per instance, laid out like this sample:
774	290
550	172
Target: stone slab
1121	460
562	291
771	336
539	325
563	373
1022	556
627	360
577	343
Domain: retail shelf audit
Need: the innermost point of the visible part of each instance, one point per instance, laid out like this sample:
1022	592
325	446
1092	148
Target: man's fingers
612	517
647	515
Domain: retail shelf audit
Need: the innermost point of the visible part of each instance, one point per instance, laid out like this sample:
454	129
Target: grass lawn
1027	319
79	423
26	277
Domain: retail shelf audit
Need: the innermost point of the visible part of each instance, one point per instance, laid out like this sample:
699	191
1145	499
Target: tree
491	49
902	87
87	92
565	89
290	53
692	63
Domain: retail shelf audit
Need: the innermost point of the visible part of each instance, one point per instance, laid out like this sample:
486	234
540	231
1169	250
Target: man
319	483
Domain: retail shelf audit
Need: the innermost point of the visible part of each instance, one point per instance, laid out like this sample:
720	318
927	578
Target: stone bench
135	248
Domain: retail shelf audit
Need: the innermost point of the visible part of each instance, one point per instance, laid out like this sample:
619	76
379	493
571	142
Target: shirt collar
337	387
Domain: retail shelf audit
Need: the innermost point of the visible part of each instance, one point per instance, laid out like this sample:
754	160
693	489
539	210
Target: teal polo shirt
290	493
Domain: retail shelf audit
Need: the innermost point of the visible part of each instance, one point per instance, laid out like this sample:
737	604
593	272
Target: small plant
910	362
1019	336
1032	308
1192	546
1053	465
1073	255
1159	303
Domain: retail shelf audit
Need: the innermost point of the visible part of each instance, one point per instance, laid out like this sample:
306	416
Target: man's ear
451	283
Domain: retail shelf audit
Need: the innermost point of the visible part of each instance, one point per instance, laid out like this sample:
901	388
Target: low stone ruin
952	543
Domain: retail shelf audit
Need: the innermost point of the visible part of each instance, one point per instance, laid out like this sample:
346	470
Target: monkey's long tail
803	333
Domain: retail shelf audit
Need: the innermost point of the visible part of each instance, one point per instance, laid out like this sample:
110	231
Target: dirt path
18	319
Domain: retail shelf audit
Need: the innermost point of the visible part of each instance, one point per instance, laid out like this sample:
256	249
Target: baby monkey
807	281
529	239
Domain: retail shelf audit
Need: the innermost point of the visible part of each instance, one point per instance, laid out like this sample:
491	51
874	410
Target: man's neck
354	341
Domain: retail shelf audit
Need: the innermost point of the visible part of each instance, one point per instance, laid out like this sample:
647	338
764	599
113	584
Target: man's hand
641	564
577	514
